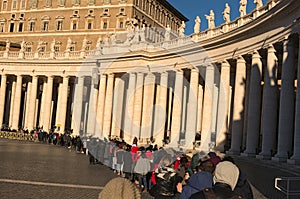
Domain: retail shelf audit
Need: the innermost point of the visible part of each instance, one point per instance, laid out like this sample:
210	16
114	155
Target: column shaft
108	106
138	103
100	106
92	107
191	126
48	104
63	106
177	109
42	110
12	102
77	106
17	103
2	97
269	106
222	115
32	102
254	106
207	108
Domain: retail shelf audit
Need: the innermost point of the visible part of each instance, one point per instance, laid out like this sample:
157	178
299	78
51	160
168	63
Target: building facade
232	88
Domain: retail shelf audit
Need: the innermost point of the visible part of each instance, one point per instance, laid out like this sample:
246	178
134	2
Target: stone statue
7	45
167	33
47	3
211	19
226	13
243	4
40	46
258	3
197	25
34	3
52	46
61	2
69	44
181	29
84	44
22	46
113	38
142	33
98	45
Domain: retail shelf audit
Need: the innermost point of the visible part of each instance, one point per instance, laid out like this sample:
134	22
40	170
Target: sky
193	8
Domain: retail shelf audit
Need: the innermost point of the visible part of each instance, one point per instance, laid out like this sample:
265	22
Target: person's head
206	165
226	172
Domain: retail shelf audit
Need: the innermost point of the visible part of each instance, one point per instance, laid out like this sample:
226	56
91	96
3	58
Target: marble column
2	97
42	111
177	109
138	105
100	106
32	103
191	126
269	106
161	110
207	108
108	106
128	116
48	104
295	159
92	106
254	106
238	107
117	107
12	102
27	110
77	106
199	108
287	103
222	115
17	103
58	105
63	103
148	103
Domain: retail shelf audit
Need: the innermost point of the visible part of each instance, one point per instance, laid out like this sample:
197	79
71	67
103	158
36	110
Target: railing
290	186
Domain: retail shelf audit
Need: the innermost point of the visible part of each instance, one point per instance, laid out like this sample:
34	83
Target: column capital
225	63
255	55
271	49
240	59
209	67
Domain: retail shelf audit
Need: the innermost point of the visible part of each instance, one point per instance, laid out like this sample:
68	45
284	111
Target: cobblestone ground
37	171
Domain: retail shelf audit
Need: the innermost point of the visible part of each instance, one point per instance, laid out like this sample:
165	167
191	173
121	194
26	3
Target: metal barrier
290	186
18	136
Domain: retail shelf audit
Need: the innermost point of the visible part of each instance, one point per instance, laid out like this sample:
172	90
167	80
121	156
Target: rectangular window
31	26
12	27
14	4
23	4
121	24
20	27
89	26
59	25
4	5
104	25
45	25
1	27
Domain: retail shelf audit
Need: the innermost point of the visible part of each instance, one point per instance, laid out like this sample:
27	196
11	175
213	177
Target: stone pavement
34	170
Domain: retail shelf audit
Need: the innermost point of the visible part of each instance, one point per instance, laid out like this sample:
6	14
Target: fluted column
32	102
207	108
295	159
238	107
191	125
48	103
254	106
17	103
118	107
92	107
63	104
148	100
222	115
2	97
287	103
138	102
128	116
269	106
177	109
77	106
161	110
108	106
100	106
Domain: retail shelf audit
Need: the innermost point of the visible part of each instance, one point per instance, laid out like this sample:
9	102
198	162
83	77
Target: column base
264	156
232	152
294	161
248	154
280	158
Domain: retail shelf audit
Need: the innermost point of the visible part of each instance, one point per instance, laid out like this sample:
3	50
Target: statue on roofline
181	29
243	4
211	19
197	25
226	13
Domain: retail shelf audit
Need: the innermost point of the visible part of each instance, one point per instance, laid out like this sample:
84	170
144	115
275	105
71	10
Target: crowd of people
167	173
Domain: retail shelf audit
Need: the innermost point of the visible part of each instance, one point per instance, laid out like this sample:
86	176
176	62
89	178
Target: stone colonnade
247	105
